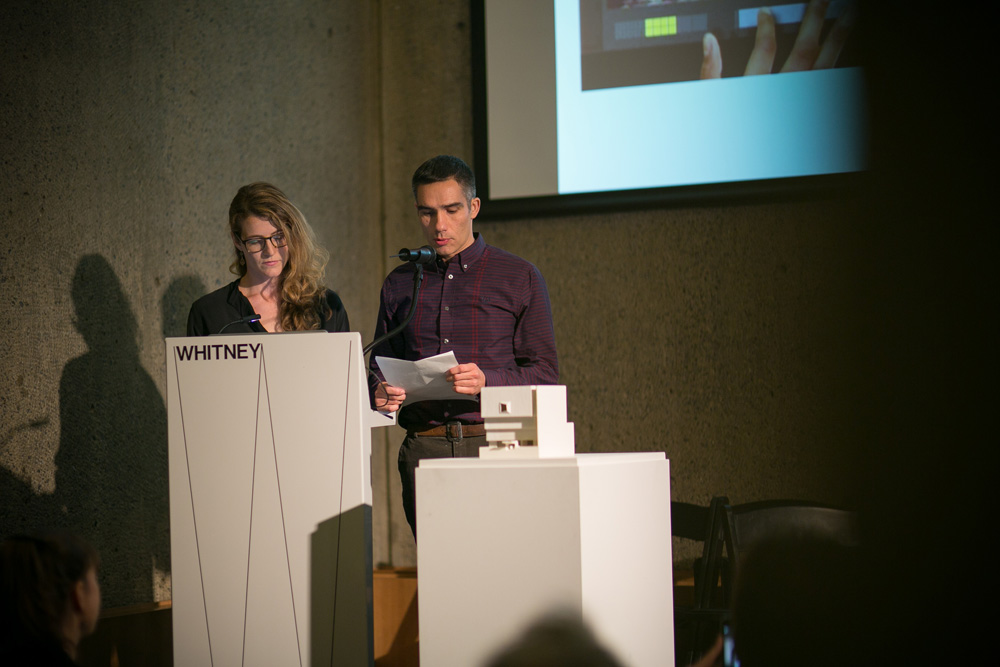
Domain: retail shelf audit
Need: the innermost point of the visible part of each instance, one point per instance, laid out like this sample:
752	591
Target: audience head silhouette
795	603
558	640
49	598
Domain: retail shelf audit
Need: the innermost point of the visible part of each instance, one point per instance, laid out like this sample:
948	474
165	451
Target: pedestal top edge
574	461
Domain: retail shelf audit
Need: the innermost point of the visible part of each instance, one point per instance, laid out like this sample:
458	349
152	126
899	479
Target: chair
710	566
747	523
731	530
699	523
688	520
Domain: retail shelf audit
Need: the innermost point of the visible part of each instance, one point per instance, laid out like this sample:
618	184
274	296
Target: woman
280	271
49	598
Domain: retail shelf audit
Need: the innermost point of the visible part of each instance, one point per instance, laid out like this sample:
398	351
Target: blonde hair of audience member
49	595
302	288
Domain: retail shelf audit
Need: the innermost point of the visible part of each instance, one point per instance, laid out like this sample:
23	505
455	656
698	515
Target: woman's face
268	263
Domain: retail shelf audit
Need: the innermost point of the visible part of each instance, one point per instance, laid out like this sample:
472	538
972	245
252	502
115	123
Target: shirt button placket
445	313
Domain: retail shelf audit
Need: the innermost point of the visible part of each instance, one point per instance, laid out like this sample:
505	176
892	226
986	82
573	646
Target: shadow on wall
22	510
111	466
176	303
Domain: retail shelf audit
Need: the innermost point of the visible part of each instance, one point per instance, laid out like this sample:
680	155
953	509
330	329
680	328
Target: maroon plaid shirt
486	305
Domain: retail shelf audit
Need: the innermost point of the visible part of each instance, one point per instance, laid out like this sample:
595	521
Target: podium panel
503	542
270	500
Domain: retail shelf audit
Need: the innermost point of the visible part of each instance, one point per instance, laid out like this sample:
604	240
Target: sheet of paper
423	380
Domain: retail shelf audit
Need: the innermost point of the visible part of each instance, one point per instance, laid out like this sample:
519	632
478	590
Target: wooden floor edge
142	608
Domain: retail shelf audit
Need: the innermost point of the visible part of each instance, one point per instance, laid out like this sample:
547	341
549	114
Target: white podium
502	542
270	500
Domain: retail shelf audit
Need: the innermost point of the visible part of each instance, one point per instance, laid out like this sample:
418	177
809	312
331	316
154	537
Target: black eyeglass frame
262	240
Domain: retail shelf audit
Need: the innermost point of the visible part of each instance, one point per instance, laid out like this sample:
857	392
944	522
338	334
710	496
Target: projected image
565	114
638	42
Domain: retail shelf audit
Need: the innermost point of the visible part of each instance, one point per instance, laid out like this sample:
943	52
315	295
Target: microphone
243	320
419	257
422	255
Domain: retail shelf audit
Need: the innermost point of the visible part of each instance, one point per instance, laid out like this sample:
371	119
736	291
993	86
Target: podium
270	500
502	542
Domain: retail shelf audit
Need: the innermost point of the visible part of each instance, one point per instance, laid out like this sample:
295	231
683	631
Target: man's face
446	217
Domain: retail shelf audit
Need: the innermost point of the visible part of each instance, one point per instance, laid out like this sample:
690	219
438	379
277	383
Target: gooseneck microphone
423	255
243	320
419	257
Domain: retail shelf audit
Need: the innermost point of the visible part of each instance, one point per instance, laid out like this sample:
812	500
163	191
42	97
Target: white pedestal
501	543
270	500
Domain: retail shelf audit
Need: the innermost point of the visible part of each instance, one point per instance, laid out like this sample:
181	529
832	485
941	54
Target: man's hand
389	398
467	378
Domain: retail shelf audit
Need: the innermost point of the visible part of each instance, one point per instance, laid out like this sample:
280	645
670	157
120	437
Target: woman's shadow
111	466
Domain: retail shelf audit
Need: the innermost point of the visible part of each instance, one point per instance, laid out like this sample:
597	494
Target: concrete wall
731	337
126	130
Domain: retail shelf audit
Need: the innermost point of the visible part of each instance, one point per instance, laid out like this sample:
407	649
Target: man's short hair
444	168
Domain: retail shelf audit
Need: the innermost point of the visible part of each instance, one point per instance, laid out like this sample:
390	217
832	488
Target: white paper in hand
423	380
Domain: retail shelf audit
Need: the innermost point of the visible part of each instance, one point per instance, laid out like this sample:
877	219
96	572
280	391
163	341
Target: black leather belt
452	431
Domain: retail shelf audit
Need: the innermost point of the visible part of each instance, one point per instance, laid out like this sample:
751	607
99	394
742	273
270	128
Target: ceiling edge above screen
517	158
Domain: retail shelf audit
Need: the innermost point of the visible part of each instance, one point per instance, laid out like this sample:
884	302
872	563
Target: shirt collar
465	259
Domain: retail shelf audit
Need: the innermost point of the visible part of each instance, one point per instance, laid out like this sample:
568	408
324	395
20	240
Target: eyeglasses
256	243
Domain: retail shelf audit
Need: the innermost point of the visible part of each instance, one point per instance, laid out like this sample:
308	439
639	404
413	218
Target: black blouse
227	305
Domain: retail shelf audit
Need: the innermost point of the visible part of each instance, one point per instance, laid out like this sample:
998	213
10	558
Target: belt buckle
453	431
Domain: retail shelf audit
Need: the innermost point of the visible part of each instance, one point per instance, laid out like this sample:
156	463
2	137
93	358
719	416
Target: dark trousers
416	447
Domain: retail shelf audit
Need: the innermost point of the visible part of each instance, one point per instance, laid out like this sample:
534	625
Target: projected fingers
765	44
806	48
808	51
835	40
711	62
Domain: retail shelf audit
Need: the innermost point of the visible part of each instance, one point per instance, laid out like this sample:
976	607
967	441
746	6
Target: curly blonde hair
303	294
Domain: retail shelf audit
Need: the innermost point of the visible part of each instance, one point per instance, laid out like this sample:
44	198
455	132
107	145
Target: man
486	305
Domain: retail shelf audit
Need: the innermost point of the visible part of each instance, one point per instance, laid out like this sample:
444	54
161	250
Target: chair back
745	524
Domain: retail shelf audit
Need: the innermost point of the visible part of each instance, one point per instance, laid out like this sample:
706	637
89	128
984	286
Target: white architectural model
526	422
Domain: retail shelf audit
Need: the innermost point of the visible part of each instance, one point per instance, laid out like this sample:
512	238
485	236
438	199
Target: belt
452	430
